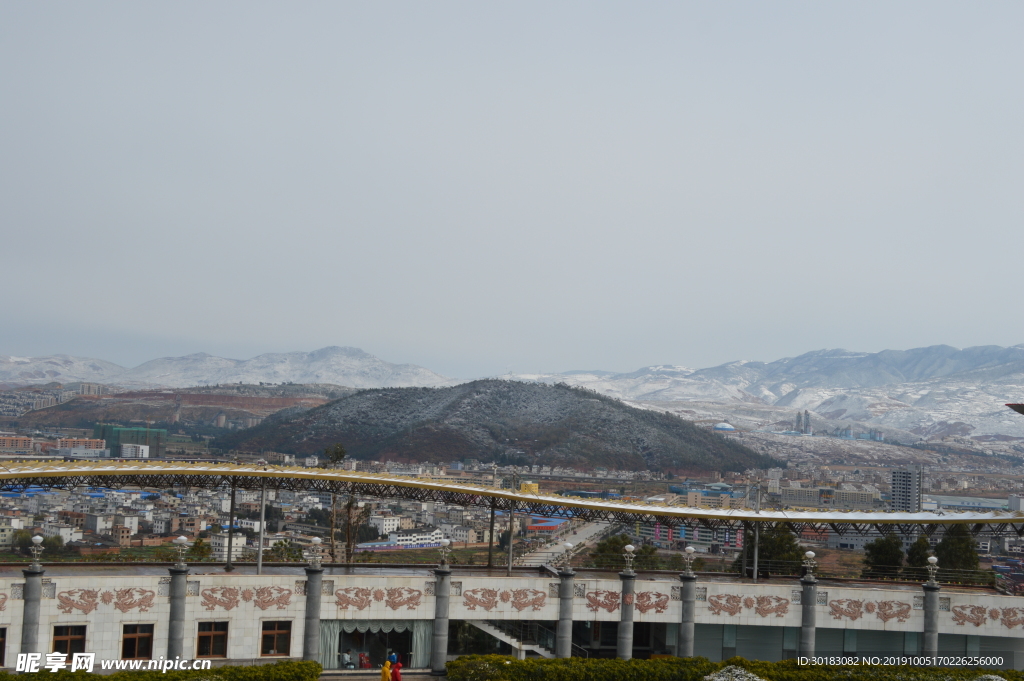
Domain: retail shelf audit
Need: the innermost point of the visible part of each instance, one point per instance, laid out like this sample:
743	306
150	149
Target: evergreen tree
917	559
283	552
883	558
199	550
957	550
777	552
336	454
608	554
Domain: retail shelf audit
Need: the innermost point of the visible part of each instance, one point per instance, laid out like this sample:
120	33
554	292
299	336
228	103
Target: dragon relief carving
730	604
225	596
603	600
129	599
267	596
528	598
970	614
397	597
488	599
627	599
3	602
1009	617
771	605
651	600
846	607
85	600
888	610
480	598
357	597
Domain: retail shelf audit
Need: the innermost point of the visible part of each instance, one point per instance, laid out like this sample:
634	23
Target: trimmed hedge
502	668
287	670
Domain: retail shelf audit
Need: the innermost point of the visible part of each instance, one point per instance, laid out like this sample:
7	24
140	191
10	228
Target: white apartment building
100	523
219	546
134	451
67	533
129	521
385	524
253	525
424	535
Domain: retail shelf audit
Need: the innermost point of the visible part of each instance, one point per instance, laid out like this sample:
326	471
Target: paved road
550	552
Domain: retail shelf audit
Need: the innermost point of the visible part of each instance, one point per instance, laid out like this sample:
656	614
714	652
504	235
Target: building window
213	639
277	638
137	643
69	640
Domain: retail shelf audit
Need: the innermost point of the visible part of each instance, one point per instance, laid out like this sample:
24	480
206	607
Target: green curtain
330	632
422	638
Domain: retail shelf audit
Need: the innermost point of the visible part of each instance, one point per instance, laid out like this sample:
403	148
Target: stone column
442	591
624	650
176	621
808	601
931	619
311	630
563	636
32	593
684	646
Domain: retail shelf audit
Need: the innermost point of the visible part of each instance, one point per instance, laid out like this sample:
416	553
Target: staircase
524	637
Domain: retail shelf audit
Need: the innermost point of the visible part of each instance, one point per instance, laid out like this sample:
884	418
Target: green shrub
287	670
502	668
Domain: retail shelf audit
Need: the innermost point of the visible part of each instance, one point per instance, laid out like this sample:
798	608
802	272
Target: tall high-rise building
906	489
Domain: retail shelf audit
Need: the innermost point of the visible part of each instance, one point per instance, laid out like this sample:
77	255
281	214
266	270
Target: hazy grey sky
478	187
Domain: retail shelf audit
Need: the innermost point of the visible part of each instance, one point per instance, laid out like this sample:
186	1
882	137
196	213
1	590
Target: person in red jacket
396	672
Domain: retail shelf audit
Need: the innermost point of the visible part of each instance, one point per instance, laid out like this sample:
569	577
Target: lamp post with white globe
808	601
566	592
32	592
684	645
442	593
931	609
624	647
178	588
314	594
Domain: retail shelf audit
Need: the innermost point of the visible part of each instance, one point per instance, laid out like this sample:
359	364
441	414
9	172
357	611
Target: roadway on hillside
552	552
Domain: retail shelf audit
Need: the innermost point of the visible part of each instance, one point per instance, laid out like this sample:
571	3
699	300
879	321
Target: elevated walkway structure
165	475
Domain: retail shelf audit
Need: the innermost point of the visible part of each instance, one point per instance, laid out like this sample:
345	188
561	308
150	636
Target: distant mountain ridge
927	391
350	367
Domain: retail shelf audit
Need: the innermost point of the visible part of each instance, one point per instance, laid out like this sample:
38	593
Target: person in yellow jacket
385	671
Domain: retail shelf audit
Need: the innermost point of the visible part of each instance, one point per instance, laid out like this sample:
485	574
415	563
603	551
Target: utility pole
263	527
334	516
757	529
228	567
490	536
512	522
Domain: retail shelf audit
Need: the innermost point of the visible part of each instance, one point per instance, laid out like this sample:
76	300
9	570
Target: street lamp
628	555
37	550
181	544
933	568
314	553
810	564
567	555
688	559
444	551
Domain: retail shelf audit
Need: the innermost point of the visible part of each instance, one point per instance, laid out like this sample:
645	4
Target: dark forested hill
500	420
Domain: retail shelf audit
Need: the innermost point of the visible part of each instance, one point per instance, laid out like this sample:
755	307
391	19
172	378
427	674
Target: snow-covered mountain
937	390
341	366
927	391
56	368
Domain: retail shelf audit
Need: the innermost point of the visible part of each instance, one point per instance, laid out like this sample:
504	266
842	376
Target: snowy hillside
340	366
56	368
937	390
